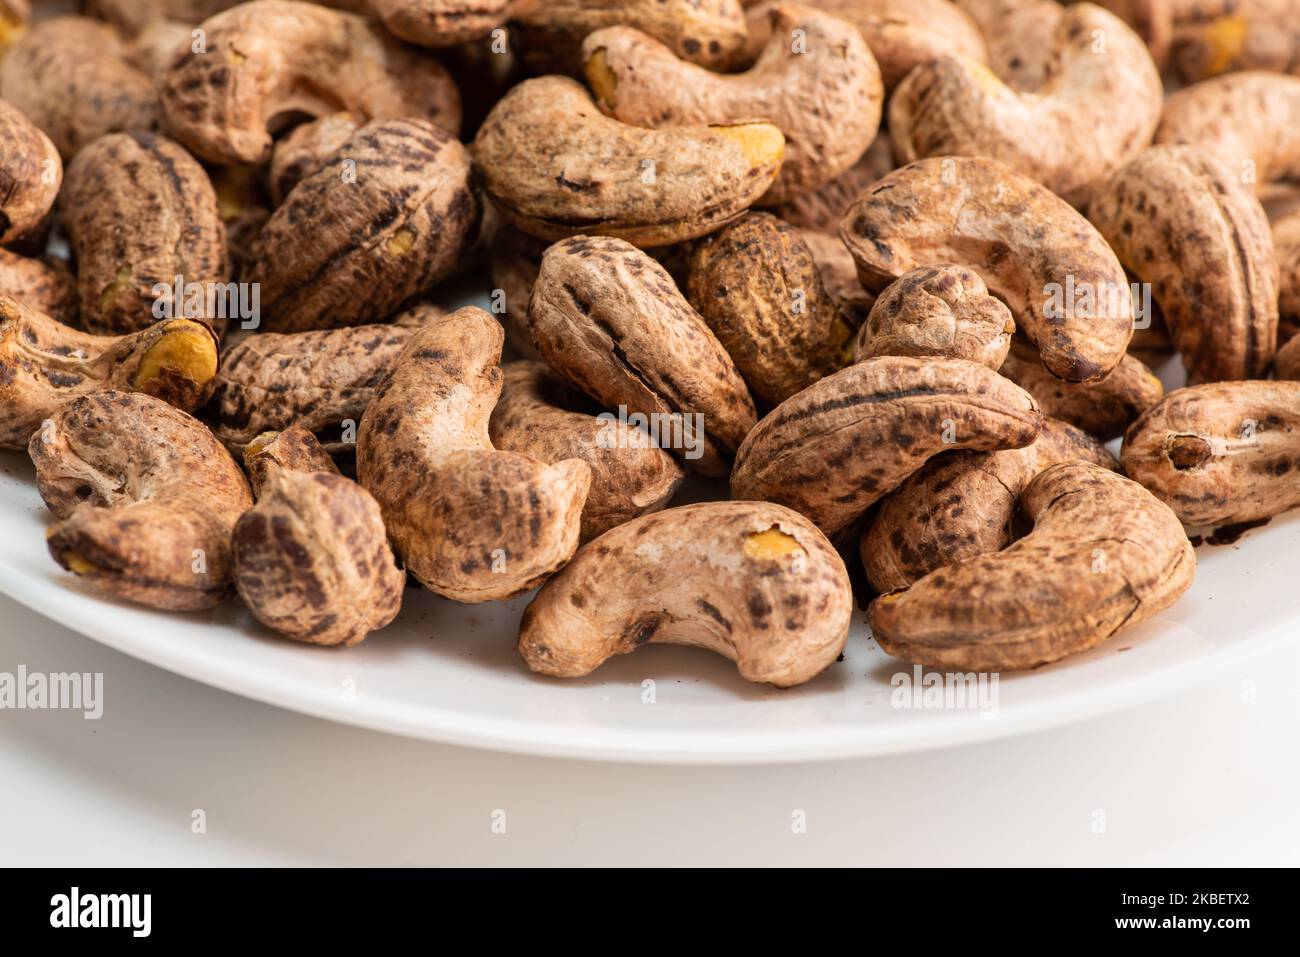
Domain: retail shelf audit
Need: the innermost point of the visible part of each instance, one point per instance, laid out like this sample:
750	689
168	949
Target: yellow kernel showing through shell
400	243
1226	38
762	142
120	284
601	79
185	348
771	545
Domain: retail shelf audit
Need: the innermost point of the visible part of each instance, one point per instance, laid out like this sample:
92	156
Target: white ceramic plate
449	672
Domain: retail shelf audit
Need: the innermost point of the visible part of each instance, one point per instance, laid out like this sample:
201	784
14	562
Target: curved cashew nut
43	364
1104	554
825	71
470	522
42	285
609	319
754	582
440	23
1220	453
1105	92
555	166
938	311
30	174
837	447
1182	221
1066	289
146	499
538	415
961	504
261	61
311	557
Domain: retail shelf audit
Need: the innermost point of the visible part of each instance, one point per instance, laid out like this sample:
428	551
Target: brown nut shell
30	174
840	445
1182	221
1286	249
306	149
262	61
758	287
1029	246
1212	37
540	416
754	582
389	215
555	166
440	23
609	319
469	522
44	286
839	275
1220	453
1020	36
146	499
961	504
140	213
1104	554
1286	364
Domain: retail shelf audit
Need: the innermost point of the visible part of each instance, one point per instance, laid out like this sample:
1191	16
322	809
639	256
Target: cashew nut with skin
754	582
146	499
1024	242
30	174
43	364
440	23
1227	36
1104	554
306	149
44	286
840	445
468	521
311	557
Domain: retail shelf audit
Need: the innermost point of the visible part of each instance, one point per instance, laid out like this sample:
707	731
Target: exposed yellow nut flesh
120	284
601	79
259	444
185	348
400	243
771	545
1226	38
762	142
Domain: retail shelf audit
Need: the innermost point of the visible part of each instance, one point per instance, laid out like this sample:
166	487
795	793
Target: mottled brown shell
276	58
152	49
311	557
146	499
608	318
1019	35
1022	240
306	149
822	209
43	364
1182	221
141	212
555	166
839	275
440	23
388	216
1097	109
961	504
30	174
45	286
540	416
1102	408
757	286
547	34
320	380
938	311
816	80
71	78
837	447
1104	554
469	522
754	582
1226	36
1220	453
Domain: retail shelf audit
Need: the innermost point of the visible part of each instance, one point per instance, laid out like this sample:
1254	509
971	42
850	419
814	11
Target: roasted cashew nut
42	285
30	174
440	23
754	582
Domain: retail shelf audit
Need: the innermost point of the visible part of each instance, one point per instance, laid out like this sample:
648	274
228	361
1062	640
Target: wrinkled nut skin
1020	35
945	209
139	212
548	34
146	499
821	209
311	557
43	364
278	57
1220	453
1103	408
938	311
823	92
1249	121
45	286
469	522
538	415
1226	36
840	445
30	174
900	33
555	166
839	274
609	319
757	286
306	149
1286	248
1104	554
440	23
320	380
1182	221
961	504
1096	111
754	582
71	78
389	216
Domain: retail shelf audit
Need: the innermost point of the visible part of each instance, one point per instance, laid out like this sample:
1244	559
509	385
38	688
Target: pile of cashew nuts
870	283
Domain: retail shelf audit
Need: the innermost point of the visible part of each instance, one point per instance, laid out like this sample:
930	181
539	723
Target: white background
1207	777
